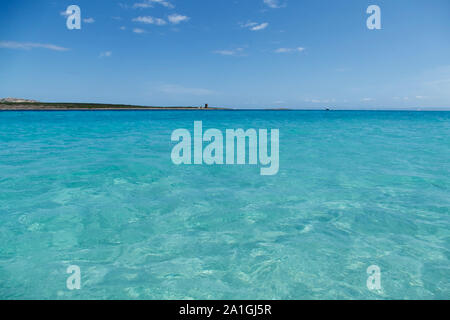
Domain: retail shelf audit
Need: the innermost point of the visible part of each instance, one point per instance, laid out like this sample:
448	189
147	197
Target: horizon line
30	102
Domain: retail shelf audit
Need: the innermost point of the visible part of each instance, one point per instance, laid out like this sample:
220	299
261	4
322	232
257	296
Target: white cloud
177	89
142	5
105	54
289	50
89	20
321	100
367	99
233	52
151	3
249	24
274	4
261	26
177	18
225	52
138	31
254	26
401	98
150	20
30	45
173	18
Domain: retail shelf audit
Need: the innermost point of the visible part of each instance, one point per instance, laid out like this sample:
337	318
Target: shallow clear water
99	190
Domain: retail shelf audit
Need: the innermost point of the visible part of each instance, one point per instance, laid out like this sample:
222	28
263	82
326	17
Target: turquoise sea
99	190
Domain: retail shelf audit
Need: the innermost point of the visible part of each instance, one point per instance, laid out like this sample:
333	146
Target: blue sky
232	53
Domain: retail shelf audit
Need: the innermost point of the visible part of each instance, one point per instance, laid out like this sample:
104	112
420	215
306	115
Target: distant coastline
43	106
12	104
